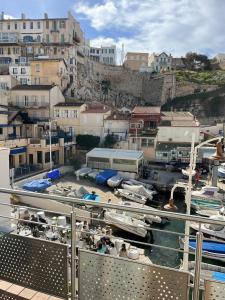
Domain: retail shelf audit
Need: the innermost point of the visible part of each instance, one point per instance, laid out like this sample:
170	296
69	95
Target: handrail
71	201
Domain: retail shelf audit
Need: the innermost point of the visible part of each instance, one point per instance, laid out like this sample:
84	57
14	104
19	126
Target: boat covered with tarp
103	176
38	185
54	174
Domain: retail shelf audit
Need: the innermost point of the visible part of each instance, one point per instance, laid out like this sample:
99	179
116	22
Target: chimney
69	14
2	15
45	16
23	16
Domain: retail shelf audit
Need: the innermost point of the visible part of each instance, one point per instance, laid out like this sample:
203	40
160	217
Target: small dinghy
82	172
131	196
208	212
114	181
139	189
206	204
126	223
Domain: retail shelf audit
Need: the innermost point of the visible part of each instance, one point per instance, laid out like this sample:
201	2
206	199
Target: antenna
122	55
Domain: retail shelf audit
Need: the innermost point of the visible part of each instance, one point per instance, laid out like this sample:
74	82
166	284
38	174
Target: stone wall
126	88
187	88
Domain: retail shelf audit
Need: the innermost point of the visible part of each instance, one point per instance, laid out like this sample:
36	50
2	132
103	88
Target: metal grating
106	277
8	296
35	264
214	290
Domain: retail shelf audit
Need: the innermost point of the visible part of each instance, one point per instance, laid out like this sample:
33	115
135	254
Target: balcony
92	275
145	132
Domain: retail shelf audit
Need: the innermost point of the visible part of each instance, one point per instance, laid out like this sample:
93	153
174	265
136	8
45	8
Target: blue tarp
209	246
18	150
218	276
92	197
38	185
54	174
102	177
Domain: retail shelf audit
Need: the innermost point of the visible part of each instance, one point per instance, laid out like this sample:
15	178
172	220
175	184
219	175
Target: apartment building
105	54
136	61
37	100
117	124
21	72
24	39
161	62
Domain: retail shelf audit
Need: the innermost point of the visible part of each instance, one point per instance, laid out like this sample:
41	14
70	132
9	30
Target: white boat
139	189
92	175
207	192
126	223
208	212
208	272
60	191
221	170
137	182
217	231
148	218
131	196
82	172
114	181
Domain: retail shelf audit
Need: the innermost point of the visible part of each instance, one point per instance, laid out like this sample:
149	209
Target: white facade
118	127
4	183
160	62
105	54
21	72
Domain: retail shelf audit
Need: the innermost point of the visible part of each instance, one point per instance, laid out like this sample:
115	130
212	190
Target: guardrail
178	282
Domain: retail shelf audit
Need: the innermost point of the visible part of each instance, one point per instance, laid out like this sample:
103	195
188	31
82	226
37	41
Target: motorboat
217	231
139	189
93	174
138	183
211	249
207	193
199	204
115	181
221	170
126	223
208	272
131	196
82	172
148	218
208	212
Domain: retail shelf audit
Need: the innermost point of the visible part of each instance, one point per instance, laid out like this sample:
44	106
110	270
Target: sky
173	26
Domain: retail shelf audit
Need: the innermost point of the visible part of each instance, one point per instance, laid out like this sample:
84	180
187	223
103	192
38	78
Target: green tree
110	140
87	141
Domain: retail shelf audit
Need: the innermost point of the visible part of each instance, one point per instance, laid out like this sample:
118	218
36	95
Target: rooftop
64	104
96	109
174	114
32	87
146	110
118	116
179	123
115	153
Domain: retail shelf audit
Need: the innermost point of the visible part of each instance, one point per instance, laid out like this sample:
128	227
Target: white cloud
175	26
7	17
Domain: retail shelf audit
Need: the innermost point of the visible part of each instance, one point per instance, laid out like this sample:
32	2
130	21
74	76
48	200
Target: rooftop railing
103	276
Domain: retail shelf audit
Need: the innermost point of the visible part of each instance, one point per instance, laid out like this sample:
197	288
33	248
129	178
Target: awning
18	150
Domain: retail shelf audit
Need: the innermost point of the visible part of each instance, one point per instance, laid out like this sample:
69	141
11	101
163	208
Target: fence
108	277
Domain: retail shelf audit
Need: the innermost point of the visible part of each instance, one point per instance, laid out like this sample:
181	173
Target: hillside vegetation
202	77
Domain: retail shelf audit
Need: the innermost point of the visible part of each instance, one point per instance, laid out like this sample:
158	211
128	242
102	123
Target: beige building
6	83
117	124
37	100
49	71
92	120
136	60
24	39
68	115
161	62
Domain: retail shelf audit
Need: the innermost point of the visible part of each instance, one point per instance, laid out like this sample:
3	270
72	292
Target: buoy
170	205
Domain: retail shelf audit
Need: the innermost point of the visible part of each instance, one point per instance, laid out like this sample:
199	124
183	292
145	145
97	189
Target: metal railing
196	289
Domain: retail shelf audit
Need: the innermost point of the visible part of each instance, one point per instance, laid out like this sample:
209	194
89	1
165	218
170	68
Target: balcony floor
17	290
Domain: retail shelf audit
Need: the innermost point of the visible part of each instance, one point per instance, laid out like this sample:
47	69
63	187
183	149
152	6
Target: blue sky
174	26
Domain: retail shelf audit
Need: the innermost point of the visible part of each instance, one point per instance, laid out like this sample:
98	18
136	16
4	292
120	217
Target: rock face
117	86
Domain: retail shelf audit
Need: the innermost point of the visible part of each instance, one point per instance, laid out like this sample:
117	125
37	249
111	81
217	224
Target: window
124	161
39	25
47	157
1	130
23	81
3	86
9	51
39	157
43	100
74	114
37	68
17	100
1	51
8	26
62	24
57	113
31	25
38	38
15	71
15	26
20	159
66	113
55	51
47	38
47	24
62	38
164	154
144	142
25	100
24	25
23	71
1	26
54	25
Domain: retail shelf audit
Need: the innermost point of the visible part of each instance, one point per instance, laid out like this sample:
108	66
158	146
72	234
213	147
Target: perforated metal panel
106	277
34	263
7	296
214	290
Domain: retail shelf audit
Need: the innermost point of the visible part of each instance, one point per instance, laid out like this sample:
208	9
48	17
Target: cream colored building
37	100
48	71
161	62
68	115
92	120
136	60
6	83
117	124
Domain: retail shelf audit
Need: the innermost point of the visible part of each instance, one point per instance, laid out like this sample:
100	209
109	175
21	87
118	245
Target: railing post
198	261
73	254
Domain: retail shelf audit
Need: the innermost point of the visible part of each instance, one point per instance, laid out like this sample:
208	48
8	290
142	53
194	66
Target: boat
139	189
210	248
208	272
137	182
61	191
38	185
91	197
93	174
114	181
217	231
208	212
187	171
126	223
82	172
148	218
221	170
131	196
198	204
104	176
207	193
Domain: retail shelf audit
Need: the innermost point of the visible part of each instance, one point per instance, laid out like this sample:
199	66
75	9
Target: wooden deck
7	288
